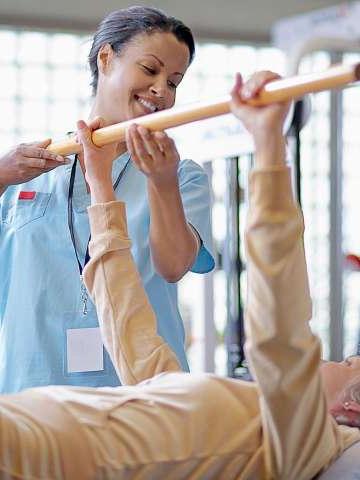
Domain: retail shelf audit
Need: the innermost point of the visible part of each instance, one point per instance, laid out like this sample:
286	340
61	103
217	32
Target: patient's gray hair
351	393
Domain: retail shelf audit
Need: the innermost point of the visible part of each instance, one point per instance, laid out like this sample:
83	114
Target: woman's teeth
148	105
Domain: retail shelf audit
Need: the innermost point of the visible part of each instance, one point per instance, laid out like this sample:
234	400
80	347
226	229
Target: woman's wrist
164	186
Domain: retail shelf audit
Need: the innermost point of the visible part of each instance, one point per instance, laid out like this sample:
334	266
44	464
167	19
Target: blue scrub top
40	287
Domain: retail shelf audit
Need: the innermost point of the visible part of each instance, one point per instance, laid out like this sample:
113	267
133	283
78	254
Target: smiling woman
138	59
141	78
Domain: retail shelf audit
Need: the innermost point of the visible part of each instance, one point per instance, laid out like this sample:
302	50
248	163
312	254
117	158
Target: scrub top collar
81	197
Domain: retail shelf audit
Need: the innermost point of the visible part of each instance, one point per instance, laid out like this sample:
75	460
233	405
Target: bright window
45	85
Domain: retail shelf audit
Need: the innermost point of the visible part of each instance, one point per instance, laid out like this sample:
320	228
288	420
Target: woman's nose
158	88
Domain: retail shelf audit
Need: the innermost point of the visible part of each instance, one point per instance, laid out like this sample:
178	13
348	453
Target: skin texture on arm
172	241
127	321
299	434
173	244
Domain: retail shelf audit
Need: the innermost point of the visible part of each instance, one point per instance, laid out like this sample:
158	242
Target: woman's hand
266	122
27	161
154	154
97	162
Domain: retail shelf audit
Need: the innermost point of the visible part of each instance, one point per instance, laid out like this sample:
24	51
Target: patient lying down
165	424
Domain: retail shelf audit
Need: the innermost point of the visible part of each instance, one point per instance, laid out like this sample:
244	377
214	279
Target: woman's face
337	375
141	79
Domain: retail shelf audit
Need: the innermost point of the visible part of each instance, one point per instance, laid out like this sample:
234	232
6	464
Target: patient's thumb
84	133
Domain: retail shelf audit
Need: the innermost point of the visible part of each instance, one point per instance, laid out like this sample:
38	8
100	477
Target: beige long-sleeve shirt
177	425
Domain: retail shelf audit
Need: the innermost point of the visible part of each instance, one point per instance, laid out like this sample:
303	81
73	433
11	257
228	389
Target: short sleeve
195	194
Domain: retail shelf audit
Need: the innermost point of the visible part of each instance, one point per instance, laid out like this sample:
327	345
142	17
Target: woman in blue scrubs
49	330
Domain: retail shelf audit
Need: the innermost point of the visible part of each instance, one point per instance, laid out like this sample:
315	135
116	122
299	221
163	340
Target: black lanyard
84	296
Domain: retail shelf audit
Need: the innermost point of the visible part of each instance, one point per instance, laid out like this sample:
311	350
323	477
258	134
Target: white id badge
85	351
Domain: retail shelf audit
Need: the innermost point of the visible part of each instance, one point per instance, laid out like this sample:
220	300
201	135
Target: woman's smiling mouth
149	105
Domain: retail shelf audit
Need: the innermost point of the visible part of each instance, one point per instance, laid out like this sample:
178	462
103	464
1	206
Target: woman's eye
172	84
149	69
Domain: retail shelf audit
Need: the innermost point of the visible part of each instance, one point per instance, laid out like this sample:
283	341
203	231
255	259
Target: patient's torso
173	426
176	425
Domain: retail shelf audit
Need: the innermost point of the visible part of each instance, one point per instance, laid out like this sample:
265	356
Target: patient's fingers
84	134
256	82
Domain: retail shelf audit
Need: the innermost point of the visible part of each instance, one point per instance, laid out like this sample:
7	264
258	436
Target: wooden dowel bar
276	91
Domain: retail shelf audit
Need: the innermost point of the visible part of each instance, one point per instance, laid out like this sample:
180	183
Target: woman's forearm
173	243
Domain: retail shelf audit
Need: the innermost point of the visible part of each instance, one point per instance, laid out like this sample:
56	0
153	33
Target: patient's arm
126	318
284	355
299	435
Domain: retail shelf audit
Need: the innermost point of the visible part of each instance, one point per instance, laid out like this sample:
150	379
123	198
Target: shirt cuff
105	217
270	187
197	238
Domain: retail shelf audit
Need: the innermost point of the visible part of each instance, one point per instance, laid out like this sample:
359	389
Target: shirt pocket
17	213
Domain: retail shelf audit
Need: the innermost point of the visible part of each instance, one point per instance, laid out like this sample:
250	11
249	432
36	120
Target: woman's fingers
150	146
129	143
129	136
154	153
150	143
138	151
166	145
139	144
37	157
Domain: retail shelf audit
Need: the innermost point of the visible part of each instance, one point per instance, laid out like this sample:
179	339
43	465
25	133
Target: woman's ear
346	412
104	57
352	406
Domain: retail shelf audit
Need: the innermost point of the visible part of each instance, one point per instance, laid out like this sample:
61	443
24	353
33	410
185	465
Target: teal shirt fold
40	287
